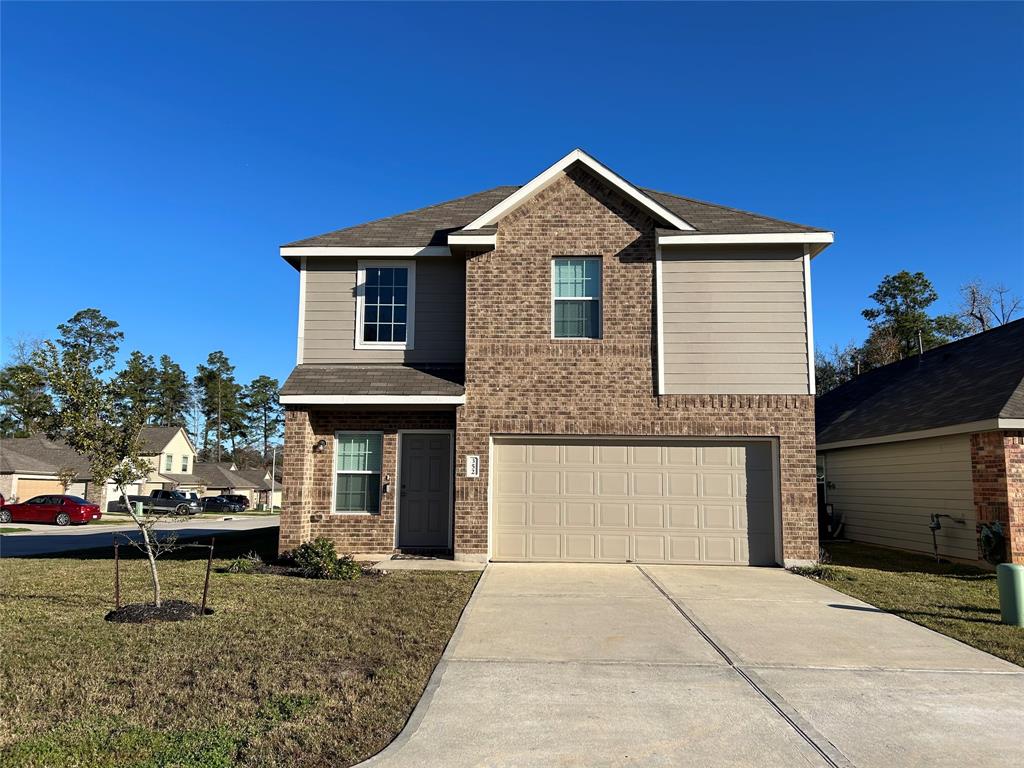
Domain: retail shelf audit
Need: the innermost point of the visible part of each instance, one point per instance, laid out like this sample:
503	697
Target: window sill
349	513
400	346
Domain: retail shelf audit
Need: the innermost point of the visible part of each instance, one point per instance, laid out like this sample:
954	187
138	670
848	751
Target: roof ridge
729	208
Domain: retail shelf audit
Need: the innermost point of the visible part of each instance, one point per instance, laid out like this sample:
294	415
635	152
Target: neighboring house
940	433
265	492
223	477
577	369
29	466
173	457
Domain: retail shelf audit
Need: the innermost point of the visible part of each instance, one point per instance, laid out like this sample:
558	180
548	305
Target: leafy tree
88	417
25	404
264	410
900	314
173	396
220	400
135	385
983	307
835	367
92	337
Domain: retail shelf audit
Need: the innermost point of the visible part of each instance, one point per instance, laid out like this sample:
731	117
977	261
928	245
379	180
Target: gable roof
37	455
429	227
976	379
155	439
220	475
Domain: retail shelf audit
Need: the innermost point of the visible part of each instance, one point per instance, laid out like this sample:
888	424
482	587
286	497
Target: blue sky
155	155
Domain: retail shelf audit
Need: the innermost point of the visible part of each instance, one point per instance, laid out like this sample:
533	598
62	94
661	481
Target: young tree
88	418
173	394
92	337
899	314
983	307
135	385
264	410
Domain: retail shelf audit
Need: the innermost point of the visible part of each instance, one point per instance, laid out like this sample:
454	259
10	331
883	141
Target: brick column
296	479
997	471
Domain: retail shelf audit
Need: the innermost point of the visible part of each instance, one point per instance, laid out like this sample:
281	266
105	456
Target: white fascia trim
659	309
545	178
809	320
426	250
373	399
300	341
986	425
454	239
764	239
1011	423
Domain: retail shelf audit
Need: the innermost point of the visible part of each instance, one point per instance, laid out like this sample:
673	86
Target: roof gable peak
550	174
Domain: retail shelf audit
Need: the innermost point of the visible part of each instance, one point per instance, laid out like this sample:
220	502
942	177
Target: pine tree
135	386
264	410
173	394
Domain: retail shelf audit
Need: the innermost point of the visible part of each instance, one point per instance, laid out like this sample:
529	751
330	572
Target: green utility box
1010	579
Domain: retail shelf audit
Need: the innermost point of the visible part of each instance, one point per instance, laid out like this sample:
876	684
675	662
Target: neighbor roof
431	226
978	378
155	439
37	455
220	475
375	379
255	476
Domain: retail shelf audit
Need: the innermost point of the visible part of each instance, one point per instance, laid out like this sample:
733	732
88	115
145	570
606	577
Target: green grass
12	529
960	601
286	671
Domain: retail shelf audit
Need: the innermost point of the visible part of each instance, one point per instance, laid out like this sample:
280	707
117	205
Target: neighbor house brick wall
7	486
520	381
997	470
308	478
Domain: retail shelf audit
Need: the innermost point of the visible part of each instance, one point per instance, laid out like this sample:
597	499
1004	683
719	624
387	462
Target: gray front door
424	502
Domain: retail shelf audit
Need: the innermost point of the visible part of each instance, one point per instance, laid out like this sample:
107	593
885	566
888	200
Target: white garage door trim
772	442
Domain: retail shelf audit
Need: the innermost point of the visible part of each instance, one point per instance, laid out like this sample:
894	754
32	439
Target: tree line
900	325
226	419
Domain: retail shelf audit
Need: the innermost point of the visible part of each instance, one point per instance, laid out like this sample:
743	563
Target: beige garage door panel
633	501
28	488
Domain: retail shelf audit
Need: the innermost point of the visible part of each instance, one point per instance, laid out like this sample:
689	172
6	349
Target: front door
425	479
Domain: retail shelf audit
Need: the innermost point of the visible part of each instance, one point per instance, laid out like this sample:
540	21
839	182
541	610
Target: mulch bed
142	613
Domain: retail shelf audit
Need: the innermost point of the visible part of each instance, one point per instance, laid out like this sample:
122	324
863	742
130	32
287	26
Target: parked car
220	504
159	501
58	509
239	499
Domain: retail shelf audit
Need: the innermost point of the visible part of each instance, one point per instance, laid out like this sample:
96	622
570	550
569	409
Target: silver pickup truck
165	502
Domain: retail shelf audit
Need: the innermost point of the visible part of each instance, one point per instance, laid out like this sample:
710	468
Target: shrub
318	559
248	563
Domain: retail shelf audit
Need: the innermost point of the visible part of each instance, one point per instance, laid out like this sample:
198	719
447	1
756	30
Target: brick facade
997	471
521	381
308	477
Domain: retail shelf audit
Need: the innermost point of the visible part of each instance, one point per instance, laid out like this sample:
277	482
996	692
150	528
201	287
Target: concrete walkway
593	665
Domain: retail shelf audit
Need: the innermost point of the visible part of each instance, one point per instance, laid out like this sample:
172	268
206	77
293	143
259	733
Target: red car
62	510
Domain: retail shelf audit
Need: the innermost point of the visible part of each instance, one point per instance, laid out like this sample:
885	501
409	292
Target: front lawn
286	671
957	600
12	529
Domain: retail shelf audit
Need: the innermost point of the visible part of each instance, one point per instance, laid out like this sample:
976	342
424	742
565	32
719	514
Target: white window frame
184	464
410	312
599	299
168	462
335	472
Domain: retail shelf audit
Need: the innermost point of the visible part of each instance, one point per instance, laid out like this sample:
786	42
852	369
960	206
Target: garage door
27	488
633	501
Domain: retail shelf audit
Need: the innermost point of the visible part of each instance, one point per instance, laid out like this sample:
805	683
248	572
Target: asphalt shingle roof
221	475
36	454
433	224
977	378
374	379
155	439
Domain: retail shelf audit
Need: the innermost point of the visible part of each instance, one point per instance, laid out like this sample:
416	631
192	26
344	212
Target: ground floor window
357	472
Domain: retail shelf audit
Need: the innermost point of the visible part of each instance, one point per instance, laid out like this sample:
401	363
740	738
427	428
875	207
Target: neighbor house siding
735	320
329	330
887	493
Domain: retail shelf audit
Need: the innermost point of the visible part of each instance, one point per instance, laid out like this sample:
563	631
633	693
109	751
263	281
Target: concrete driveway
594	665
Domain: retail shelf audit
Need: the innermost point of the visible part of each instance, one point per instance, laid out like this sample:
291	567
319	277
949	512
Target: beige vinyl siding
735	320
888	492
329	327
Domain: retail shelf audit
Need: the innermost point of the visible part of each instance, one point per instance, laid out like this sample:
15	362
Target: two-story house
577	369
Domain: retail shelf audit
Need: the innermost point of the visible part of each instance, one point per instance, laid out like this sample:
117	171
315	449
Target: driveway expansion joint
825	748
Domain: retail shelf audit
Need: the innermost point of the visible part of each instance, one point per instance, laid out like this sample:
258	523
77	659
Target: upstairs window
184	464
357	472
385	305
169	463
576	289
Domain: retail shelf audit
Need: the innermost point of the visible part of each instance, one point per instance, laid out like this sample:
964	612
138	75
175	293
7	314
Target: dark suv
237	498
220	504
